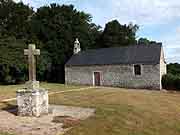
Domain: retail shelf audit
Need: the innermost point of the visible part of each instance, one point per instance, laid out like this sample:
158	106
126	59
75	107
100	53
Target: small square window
137	69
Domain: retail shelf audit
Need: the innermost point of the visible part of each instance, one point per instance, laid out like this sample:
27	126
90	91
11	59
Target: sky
159	20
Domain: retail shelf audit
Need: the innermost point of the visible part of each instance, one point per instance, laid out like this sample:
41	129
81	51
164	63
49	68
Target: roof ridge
139	45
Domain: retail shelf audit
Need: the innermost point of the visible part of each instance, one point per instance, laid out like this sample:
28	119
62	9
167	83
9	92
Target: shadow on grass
11	108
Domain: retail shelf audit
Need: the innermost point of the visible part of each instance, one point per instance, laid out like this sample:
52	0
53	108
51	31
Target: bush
11	75
171	82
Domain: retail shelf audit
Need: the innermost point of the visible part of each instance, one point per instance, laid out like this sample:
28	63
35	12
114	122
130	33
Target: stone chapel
134	66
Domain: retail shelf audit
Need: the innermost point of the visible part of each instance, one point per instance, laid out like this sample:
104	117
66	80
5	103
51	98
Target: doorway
97	78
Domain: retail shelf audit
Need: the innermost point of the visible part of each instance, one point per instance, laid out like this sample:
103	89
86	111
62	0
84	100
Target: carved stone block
32	103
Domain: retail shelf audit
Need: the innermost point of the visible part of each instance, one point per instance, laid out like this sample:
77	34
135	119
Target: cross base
32	103
32	85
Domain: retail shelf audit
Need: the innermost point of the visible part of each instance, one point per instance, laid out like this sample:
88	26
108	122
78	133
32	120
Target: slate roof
135	54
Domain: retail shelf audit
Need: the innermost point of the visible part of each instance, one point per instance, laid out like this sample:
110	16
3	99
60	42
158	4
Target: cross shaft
31	52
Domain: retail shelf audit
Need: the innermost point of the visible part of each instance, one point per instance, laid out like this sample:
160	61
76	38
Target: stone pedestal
32	102
32	85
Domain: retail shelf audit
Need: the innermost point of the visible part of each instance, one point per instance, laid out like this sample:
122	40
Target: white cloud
172	45
173	40
146	11
38	3
16	0
138	11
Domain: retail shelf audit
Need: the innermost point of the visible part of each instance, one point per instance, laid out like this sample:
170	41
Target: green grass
125	112
9	91
122	111
5	133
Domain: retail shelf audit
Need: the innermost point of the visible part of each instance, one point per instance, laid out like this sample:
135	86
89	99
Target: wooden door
97	78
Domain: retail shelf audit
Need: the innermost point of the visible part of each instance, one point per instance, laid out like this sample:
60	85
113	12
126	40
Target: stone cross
31	52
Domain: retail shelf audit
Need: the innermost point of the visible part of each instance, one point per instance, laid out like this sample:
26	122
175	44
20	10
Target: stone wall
115	75
163	66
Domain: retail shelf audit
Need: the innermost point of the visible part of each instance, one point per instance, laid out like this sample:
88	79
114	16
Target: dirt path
44	125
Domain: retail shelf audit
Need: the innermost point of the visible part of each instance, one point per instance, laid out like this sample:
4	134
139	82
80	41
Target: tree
116	34
174	69
52	28
14	31
12	62
15	34
14	18
57	27
143	41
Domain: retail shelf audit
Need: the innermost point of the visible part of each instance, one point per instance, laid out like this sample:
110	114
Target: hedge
171	82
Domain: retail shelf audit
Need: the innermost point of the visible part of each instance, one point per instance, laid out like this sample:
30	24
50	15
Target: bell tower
77	47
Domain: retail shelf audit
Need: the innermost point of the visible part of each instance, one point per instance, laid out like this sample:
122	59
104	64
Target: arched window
137	69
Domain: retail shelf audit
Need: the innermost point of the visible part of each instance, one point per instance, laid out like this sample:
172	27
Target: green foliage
52	28
116	34
14	18
12	60
174	69
145	41
171	82
14	29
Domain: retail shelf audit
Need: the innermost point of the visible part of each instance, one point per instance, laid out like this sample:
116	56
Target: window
137	69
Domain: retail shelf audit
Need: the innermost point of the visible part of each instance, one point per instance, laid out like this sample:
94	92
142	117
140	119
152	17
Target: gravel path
43	125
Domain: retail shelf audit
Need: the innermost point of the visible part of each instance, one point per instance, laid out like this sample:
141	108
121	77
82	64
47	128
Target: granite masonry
32	103
32	100
128	67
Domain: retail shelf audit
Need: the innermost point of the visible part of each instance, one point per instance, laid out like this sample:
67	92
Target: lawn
9	91
123	111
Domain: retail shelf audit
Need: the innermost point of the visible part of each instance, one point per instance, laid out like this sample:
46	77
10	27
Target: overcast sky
158	19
